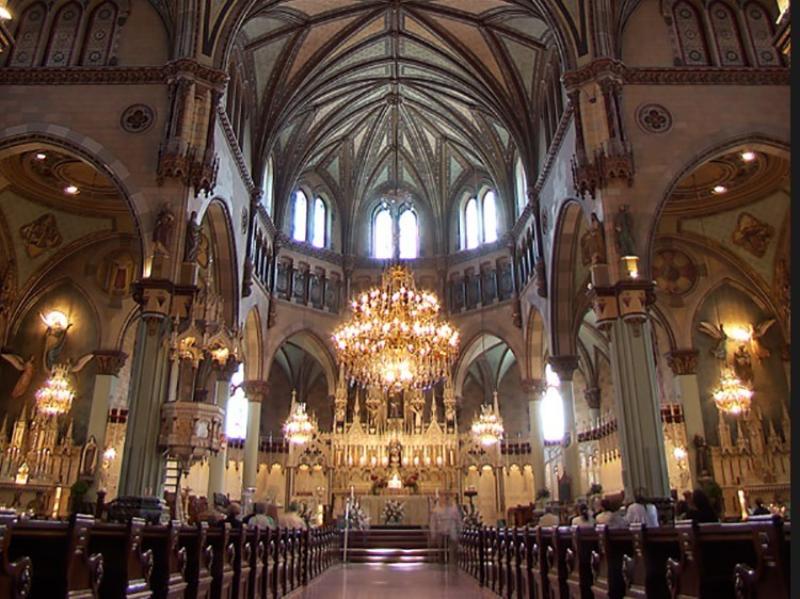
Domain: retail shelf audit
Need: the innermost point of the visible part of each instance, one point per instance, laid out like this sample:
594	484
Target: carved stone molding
564	366
654	118
109	361
255	390
137	118
683	361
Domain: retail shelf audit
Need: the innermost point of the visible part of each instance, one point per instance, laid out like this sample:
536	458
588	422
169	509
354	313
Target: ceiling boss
395	338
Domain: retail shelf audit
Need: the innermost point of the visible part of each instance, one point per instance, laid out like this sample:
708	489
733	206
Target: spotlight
40	156
748	156
719	189
71	190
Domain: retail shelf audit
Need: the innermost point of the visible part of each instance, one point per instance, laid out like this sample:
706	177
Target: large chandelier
299	429
488	428
55	396
731	395
395	338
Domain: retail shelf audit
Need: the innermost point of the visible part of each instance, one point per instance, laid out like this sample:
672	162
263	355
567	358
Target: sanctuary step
391	545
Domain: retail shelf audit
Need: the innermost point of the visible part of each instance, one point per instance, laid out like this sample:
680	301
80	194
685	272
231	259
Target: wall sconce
55	320
630	265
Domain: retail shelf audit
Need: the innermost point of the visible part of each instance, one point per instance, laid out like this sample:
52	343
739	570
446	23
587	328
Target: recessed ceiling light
72	190
40	155
748	156
719	189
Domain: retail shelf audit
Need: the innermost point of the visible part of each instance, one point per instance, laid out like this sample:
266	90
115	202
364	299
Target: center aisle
393	581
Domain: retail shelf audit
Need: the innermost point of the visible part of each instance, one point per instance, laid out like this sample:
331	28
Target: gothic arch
223	241
311	343
535	343
253	346
472	350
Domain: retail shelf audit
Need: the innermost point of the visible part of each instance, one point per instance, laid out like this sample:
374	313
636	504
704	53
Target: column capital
255	390
109	361
227	369
564	366
683	361
533	387
592	396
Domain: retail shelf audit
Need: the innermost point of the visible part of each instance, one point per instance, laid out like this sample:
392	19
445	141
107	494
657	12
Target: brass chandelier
55	397
731	395
488	427
299	428
395	338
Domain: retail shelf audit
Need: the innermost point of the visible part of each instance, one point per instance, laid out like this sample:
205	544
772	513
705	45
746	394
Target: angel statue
719	351
27	370
759	331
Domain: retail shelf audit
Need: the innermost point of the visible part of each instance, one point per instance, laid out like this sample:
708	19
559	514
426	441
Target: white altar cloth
416	512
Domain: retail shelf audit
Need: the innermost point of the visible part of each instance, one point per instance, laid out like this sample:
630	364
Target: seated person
641	511
549	518
610	516
259	519
291	518
583	518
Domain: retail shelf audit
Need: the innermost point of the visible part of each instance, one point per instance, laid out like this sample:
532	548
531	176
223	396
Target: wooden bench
612	546
709	554
219	539
15	577
240	562
771	574
556	562
126	566
542	539
644	570
255	540
578	560
167	580
60	559
199	558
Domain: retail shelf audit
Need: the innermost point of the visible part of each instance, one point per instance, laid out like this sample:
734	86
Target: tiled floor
393	581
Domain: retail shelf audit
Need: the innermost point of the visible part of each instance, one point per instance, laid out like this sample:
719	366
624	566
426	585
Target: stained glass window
409	235
471	224
236	411
299	224
320	221
382	234
489	217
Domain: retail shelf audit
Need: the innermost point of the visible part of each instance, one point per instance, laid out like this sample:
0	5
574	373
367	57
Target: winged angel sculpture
51	352
719	350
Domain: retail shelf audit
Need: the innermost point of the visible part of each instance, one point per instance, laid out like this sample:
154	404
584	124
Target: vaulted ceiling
340	83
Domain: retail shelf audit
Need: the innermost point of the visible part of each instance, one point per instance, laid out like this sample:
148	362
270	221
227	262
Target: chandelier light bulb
55	397
299	429
488	428
731	396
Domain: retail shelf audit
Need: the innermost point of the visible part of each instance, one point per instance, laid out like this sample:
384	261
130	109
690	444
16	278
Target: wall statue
742	364
162	231
593	243
193	235
623	229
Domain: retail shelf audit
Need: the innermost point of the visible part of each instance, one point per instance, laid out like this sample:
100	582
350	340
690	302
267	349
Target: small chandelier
731	395
488	428
395	338
299	428
55	396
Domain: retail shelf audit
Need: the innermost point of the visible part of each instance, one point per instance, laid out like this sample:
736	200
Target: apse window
320	222
236	411
300	216
480	220
395	233
551	408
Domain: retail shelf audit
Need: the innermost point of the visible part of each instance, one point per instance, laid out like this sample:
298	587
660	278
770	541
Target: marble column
108	363
683	363
534	389
256	392
142	460
638	411
564	367
218	462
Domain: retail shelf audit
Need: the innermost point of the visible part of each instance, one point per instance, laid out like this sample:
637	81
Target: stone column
592	396
218	462
683	363
256	392
564	367
534	389
109	363
142	461
621	310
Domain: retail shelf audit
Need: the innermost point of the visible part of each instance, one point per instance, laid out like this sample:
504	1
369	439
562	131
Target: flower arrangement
378	482
356	518
393	512
411	481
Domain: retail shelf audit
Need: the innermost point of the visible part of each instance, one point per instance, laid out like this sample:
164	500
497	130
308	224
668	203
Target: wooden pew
279	569
15	577
241	562
219	539
556	562
193	540
606	562
169	560
490	543
709	554
526	588
542	539
59	552
255	539
501	561
644	570
126	566
770	576
579	562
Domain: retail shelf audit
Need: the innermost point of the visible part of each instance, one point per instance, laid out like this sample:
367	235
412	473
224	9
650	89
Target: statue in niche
374	405
742	364
593	243
193	236
395	406
162	231
623	229
416	404
702	455
395	453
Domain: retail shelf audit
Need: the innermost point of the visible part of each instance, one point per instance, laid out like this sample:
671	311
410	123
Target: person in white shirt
583	518
641	512
549	518
610	516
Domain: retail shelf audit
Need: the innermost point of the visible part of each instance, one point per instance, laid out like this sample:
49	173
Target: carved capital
683	361
227	369
255	390
564	366
592	396
533	387
109	361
